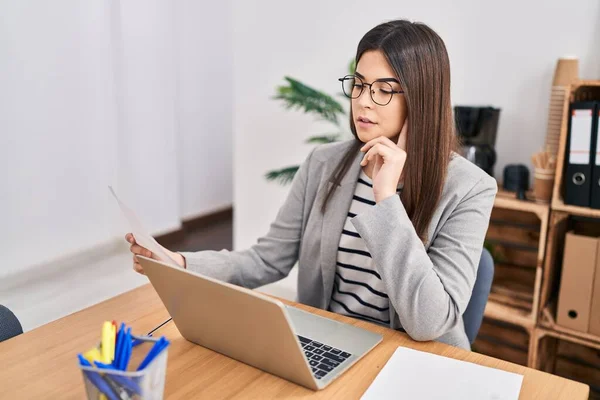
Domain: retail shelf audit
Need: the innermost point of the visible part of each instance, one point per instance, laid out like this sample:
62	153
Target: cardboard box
577	282
595	308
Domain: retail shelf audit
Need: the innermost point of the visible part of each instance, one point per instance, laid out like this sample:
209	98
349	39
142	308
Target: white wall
107	93
57	129
146	83
502	54
205	105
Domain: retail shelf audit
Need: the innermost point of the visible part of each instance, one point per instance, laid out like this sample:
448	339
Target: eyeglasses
381	91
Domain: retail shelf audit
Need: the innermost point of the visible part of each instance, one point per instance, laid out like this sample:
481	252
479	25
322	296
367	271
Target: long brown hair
419	58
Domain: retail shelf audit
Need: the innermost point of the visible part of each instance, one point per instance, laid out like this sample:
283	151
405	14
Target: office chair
473	315
9	324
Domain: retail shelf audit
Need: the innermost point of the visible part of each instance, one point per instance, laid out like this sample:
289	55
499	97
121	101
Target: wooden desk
42	363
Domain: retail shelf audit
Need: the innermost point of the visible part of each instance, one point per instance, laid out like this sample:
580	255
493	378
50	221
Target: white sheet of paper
143	238
412	374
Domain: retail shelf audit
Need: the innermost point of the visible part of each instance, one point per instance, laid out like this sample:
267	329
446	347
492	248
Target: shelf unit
518	228
560	223
549	324
550	347
567	355
561	219
580	90
517	234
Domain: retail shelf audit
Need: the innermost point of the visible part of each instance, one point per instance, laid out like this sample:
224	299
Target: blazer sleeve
429	289
274	254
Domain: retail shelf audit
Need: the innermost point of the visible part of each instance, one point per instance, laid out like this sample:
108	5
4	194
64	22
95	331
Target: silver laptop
256	329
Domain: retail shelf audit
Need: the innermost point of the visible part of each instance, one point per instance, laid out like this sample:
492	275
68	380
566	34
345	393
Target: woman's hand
138	250
389	159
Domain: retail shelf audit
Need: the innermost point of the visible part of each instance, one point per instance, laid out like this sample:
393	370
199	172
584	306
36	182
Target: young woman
387	227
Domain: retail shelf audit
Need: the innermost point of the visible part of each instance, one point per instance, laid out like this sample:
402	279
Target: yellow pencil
113	338
106	347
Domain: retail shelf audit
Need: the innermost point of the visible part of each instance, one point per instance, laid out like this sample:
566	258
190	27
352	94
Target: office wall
108	93
58	129
204	105
144	59
502	54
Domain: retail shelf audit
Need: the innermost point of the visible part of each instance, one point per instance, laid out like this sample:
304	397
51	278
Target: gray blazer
429	285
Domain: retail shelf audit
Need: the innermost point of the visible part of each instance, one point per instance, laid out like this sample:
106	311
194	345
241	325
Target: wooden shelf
517	297
559	205
528	238
583	82
517	232
567	356
557	197
559	224
508	201
503	340
510	314
514	286
551	328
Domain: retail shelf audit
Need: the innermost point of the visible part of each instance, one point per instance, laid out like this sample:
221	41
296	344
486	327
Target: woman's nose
365	100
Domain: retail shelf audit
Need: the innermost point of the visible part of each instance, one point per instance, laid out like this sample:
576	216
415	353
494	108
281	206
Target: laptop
258	330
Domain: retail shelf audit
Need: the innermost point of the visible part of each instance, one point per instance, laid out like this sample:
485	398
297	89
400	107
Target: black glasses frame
370	85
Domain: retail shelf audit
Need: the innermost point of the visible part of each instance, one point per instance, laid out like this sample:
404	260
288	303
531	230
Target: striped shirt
358	290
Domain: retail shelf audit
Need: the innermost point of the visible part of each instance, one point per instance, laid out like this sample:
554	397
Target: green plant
494	250
296	95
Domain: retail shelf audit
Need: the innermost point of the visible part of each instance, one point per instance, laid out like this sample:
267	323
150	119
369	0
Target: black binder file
595	184
578	173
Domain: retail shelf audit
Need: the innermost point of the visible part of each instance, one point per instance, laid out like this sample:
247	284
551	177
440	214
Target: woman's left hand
389	159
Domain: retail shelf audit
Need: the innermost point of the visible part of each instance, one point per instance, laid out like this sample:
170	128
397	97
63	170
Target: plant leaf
284	175
297	95
352	67
323	138
495	251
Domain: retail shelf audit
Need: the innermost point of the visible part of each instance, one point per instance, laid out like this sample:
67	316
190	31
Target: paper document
412	374
141	236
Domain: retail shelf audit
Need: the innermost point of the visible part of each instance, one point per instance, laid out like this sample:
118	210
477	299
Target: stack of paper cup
566	71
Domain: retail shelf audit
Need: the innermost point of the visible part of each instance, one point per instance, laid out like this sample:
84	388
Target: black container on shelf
516	179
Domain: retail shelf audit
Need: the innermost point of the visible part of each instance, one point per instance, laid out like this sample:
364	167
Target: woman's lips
365	122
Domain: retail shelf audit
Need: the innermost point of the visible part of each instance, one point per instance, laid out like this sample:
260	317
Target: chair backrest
473	315
9	324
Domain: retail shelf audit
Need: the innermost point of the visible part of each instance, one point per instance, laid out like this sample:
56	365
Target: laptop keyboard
322	358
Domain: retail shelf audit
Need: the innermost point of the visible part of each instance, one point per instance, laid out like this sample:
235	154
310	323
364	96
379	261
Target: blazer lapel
333	223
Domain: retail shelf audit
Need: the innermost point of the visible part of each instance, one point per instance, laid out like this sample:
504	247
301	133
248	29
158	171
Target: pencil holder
148	383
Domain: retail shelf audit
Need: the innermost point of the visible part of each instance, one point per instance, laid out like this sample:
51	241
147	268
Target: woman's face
371	119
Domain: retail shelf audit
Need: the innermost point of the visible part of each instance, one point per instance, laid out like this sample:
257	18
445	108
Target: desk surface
42	362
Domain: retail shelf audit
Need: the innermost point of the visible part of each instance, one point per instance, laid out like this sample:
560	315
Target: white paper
581	137
141	236
412	374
